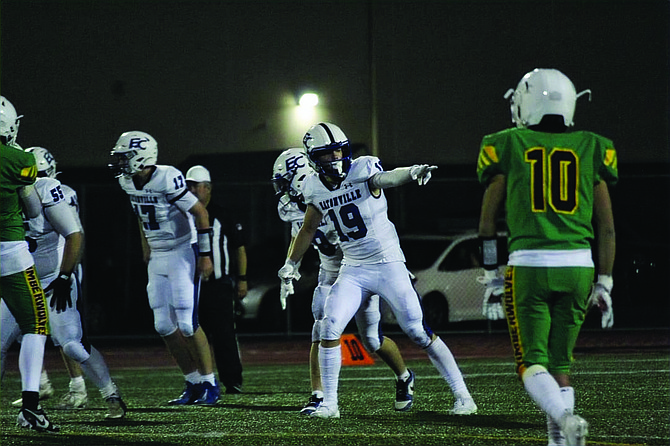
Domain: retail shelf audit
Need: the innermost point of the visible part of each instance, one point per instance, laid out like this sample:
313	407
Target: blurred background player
20	287
552	184
171	242
350	193
56	239
227	285
290	170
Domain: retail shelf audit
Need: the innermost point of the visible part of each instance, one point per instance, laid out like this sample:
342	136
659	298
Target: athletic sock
444	362
330	361
209	378
544	390
193	377
77	384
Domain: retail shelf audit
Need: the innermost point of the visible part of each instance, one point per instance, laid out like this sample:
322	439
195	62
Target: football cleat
575	429
191	393
464	406
554	433
404	393
116	408
210	395
73	400
312	405
326	412
36	420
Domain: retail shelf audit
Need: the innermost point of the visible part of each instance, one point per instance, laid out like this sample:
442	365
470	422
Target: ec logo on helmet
294	163
306	139
136	143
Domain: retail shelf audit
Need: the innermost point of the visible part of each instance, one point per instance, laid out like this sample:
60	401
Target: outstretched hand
421	173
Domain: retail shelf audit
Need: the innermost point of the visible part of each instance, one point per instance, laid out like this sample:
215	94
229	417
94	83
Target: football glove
421	173
600	297
287	274
285	290
492	308
61	298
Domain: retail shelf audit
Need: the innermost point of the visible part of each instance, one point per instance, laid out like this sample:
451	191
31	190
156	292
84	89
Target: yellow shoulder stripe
29	173
611	159
491	153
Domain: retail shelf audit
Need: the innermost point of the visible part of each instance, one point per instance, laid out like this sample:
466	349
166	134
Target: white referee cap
198	174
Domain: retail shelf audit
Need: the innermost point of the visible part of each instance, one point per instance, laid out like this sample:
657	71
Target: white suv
446	270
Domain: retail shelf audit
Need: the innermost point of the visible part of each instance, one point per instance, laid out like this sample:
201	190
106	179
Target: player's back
17	169
550	179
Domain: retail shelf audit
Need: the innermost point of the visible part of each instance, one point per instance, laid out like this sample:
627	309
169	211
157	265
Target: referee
229	281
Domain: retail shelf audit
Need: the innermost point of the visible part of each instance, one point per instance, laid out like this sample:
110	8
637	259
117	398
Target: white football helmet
324	138
9	122
133	152
289	172
46	163
543	91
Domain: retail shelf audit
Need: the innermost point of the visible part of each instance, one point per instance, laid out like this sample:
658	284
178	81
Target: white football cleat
575	429
464	406
326	412
73	400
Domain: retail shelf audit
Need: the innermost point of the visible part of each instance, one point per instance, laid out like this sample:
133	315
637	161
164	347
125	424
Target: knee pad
185	321
164	327
76	351
418	335
371	343
186	329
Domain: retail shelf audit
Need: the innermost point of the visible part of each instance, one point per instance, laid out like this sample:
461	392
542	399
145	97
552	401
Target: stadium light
309	100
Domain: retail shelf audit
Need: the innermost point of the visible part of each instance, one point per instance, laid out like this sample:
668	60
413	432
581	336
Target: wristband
489	252
204	242
242	277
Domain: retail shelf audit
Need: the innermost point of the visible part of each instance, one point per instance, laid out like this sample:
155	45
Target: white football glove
600	297
421	173
285	290
492	307
287	274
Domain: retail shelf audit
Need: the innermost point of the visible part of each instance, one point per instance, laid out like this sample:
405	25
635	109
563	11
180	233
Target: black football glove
61	299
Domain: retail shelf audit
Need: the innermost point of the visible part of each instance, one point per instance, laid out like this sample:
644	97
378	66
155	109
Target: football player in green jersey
20	287
553	185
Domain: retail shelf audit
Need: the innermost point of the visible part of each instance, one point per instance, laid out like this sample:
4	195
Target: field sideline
623	390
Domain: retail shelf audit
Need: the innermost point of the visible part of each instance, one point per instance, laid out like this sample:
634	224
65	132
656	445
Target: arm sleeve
393	178
32	205
62	218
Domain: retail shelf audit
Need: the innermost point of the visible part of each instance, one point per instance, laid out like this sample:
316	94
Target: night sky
415	81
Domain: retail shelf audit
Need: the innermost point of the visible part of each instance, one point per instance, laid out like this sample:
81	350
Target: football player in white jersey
289	173
56	239
351	194
175	231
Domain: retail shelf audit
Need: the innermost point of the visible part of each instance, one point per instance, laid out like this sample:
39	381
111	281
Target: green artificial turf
624	397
